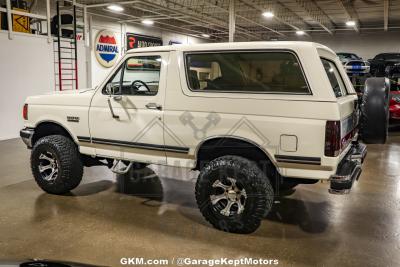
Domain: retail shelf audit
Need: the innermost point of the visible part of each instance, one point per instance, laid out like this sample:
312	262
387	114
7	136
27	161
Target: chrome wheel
48	166
229	198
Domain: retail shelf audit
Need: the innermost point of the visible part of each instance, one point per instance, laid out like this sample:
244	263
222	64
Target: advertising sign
106	48
138	41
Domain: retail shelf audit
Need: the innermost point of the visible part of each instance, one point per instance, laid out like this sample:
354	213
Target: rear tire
56	164
375	111
233	194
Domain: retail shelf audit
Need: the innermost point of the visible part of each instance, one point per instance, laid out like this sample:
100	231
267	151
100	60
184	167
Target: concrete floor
107	218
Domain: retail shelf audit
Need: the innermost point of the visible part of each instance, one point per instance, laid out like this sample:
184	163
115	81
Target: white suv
253	118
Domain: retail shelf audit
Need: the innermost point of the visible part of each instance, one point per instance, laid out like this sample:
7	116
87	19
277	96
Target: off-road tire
260	194
70	167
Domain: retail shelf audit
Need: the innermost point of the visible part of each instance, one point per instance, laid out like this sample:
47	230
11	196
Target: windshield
392	56
347	56
388	56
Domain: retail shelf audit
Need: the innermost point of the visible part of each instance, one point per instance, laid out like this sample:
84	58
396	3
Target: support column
232	20
85	27
48	21
88	49
9	19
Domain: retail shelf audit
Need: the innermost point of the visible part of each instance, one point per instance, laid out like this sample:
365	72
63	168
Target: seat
194	80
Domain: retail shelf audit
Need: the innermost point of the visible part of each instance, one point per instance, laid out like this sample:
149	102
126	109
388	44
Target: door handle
153	106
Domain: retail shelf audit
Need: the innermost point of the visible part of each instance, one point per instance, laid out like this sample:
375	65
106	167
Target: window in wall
334	78
258	72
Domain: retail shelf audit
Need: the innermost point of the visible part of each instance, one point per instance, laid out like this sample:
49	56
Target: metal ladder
66	52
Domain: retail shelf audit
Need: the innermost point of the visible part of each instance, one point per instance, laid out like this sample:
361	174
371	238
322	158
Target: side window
140	76
334	78
247	72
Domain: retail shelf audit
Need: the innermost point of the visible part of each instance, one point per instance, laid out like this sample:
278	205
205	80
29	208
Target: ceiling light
115	8
268	14
205	35
147	22
300	32
351	23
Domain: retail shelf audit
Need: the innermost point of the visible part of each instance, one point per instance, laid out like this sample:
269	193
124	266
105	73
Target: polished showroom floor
153	214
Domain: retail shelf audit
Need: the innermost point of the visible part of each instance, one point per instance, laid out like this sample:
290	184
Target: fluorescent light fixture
115	8
300	32
351	23
147	22
205	35
268	14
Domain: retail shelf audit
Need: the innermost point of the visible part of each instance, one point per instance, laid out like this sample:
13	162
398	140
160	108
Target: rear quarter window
245	72
334	77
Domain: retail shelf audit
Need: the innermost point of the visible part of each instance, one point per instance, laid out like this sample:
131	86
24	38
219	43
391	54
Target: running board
122	170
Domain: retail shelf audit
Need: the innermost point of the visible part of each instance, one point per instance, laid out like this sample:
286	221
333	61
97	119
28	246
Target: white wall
99	72
364	45
26	68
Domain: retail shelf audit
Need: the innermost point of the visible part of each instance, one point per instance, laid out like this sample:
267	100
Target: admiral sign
106	48
138	41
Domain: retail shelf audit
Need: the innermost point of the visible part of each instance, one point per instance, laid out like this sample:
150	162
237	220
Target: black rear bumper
349	169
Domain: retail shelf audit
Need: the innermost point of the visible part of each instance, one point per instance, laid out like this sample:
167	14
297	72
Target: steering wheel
138	83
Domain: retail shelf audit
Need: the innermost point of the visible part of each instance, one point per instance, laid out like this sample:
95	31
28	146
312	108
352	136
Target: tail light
332	139
25	112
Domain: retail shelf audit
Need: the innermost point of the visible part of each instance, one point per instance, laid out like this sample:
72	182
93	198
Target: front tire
233	194
56	164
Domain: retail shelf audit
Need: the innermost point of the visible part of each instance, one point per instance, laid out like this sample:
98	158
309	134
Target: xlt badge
72	119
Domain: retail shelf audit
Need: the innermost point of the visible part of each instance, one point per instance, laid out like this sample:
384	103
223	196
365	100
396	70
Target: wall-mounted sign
138	41
106	48
21	23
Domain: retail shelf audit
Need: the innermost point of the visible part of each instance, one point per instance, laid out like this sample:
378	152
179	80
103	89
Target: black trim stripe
83	139
134	144
299	160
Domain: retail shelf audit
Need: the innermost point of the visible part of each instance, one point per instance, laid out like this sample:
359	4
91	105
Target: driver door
135	131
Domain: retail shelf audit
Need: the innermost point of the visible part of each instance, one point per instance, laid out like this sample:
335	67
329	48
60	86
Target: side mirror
109	89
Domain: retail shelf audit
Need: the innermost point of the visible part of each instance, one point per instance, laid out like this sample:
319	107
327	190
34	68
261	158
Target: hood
80	91
80	97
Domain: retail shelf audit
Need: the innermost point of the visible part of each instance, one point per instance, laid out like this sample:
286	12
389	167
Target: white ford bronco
252	118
